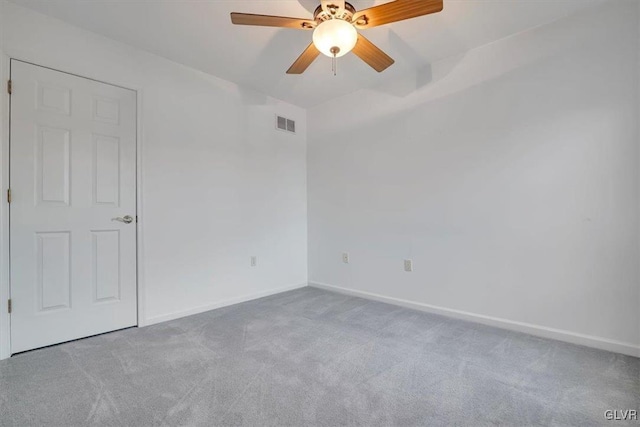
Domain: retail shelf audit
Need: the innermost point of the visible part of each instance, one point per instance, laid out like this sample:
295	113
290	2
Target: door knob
127	219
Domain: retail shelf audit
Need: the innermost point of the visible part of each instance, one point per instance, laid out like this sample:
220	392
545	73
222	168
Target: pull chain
334	61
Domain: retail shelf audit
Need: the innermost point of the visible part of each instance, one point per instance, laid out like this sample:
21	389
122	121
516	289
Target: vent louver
286	125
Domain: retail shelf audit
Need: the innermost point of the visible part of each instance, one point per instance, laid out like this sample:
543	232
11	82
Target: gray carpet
311	357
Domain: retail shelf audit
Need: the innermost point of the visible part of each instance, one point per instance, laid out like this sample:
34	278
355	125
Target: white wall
219	183
511	179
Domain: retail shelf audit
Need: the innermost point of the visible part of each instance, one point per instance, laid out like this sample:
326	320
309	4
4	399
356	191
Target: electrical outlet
345	257
254	261
408	265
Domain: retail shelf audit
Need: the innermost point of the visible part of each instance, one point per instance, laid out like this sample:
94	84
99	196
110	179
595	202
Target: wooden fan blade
302	63
395	11
272	21
372	54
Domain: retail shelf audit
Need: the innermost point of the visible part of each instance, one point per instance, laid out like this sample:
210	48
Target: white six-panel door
72	174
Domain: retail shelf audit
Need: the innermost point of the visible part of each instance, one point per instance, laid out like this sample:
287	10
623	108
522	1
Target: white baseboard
219	304
540	331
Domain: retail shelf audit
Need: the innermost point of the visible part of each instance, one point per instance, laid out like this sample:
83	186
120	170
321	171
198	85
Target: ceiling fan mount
335	24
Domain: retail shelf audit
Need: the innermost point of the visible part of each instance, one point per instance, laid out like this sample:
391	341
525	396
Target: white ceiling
198	33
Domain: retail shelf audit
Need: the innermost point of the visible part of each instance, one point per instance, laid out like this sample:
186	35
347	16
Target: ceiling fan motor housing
334	12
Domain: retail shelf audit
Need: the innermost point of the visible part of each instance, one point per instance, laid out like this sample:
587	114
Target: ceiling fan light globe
335	33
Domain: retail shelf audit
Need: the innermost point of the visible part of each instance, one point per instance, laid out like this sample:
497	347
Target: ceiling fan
335	24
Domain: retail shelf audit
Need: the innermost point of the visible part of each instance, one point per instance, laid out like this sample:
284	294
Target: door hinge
9	195
10	87
9	306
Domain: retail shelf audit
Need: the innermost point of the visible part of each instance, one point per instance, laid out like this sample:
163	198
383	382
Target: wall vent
286	125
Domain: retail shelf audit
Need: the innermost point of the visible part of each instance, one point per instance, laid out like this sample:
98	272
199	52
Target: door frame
5	285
